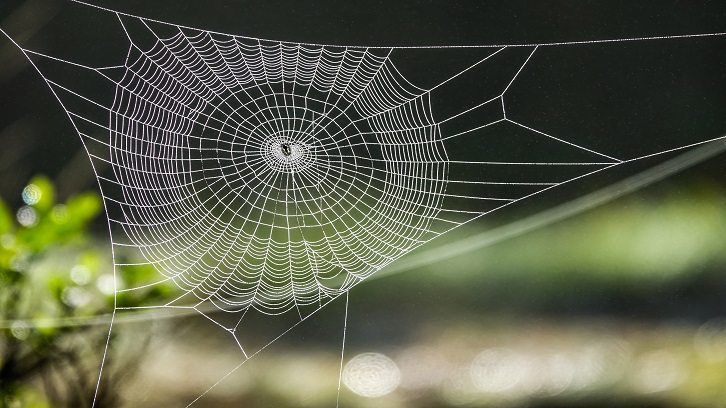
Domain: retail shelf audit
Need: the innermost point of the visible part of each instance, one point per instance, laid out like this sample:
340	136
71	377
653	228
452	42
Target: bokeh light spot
27	216
658	371
106	284
497	370
371	375
75	296
710	340
20	330
31	194
80	275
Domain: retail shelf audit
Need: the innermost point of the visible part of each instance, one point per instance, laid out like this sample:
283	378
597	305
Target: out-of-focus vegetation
36	285
55	278
620	307
617	307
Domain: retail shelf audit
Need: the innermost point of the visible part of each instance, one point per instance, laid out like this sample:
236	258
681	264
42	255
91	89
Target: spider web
269	178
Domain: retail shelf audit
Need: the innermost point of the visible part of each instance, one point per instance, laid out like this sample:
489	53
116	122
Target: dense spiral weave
270	175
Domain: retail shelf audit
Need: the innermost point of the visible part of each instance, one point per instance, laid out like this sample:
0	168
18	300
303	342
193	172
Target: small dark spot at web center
285	147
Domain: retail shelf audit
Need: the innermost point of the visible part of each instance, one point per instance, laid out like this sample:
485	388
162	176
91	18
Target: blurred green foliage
30	293
626	259
53	279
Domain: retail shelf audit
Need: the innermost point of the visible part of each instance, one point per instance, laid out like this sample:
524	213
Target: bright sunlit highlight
710	340
658	371
80	275
20	330
75	296
106	284
371	375
498	370
556	373
27	216
31	194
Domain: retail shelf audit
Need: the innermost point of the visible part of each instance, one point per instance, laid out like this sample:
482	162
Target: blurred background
621	305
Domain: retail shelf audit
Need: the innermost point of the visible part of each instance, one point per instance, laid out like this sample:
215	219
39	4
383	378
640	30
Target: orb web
269	176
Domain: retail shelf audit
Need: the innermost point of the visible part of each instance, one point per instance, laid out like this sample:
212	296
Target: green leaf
90	259
84	207
6	218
